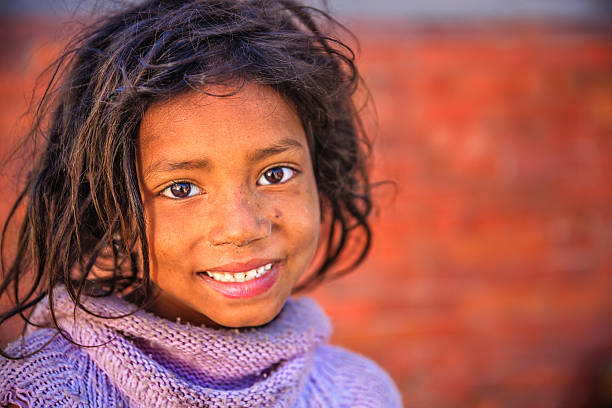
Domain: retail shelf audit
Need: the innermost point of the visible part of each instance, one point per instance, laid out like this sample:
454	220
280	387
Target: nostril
240	235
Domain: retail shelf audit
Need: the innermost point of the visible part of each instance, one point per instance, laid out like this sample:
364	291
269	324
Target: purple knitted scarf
160	363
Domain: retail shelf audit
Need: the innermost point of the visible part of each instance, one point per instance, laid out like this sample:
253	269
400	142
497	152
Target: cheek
169	234
301	216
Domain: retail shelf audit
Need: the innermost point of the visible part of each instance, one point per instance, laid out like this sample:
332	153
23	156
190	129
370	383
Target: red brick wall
489	279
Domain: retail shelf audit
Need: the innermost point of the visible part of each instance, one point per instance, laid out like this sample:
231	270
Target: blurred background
489	280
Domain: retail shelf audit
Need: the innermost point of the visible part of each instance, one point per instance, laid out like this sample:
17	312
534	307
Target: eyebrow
198	164
282	146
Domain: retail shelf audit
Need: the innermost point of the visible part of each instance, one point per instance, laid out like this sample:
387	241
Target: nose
237	220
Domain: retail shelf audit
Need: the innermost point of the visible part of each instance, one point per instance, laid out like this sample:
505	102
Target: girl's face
231	205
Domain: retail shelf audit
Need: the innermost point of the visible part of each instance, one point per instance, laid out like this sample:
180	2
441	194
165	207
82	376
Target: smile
240	276
243	280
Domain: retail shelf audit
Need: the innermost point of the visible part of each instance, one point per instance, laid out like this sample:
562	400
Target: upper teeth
240	276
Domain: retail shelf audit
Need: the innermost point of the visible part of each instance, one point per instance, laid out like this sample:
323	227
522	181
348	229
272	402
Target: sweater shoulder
47	377
353	379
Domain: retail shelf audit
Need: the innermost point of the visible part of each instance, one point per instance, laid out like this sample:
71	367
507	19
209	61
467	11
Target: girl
201	156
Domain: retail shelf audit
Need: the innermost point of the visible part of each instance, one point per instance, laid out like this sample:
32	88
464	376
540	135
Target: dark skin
226	182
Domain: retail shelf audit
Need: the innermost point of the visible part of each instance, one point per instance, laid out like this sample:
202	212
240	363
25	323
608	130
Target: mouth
240	276
243	280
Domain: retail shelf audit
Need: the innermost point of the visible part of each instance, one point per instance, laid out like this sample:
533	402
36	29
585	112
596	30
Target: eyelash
292	173
167	192
195	190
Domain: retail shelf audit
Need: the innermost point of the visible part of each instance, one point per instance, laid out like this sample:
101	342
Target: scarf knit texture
142	360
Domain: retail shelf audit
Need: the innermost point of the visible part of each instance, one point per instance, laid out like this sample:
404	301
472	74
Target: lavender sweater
146	361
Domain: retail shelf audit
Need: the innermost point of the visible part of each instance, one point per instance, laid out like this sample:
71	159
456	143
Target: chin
251	317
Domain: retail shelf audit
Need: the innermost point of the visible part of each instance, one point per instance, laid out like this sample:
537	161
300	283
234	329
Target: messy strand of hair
82	200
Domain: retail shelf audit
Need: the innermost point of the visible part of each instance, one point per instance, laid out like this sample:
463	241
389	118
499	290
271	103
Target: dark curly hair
82	200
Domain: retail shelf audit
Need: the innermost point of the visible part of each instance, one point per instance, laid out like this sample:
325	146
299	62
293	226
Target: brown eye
275	175
180	190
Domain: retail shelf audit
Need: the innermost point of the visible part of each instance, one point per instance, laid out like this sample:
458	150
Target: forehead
220	102
254	116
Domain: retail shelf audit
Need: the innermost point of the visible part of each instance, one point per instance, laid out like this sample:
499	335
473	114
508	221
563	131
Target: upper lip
236	267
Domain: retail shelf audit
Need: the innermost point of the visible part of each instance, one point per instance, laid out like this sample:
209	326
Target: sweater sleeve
25	382
50	377
340	379
58	374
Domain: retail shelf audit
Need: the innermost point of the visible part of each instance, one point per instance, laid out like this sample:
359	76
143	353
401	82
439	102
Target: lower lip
240	290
